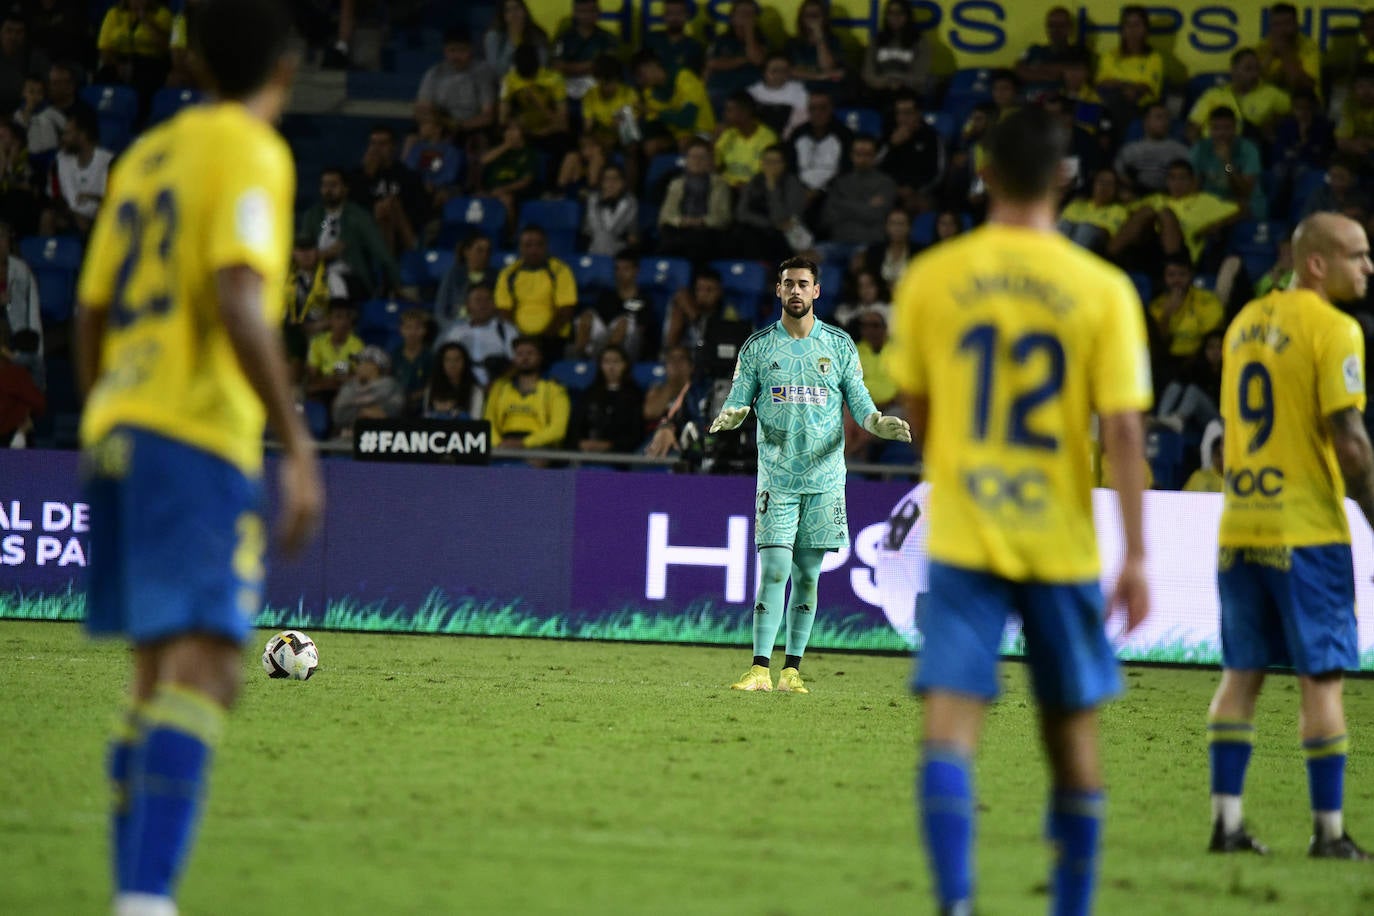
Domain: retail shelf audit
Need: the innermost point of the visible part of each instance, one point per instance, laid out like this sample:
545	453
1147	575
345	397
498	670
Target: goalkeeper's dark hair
800	263
240	42
1025	150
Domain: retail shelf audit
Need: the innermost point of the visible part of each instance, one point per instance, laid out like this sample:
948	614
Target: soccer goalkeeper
794	374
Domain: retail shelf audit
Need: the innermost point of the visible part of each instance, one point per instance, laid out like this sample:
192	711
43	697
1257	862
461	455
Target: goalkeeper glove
730	417
888	427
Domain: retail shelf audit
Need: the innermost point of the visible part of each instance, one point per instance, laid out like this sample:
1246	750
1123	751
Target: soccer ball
290	654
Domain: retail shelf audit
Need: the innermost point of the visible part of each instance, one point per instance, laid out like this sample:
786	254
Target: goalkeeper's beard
797	310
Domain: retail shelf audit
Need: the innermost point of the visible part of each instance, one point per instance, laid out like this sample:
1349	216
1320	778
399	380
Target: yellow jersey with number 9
210	189
1016	337
1290	360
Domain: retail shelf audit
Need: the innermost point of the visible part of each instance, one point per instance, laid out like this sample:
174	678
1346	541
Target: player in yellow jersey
180	358
1292	397
1008	339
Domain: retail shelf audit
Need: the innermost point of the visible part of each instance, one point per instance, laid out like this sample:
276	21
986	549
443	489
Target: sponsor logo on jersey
1354	378
824	365
800	394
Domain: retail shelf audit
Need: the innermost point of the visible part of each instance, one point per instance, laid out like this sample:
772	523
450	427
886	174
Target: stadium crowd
575	229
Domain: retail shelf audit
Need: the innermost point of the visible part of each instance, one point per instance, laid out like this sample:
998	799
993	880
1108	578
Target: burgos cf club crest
824	365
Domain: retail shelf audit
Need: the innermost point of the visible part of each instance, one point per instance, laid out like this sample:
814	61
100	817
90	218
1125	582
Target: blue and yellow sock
1326	781
1229	744
1075	828
124	739
181	728
945	794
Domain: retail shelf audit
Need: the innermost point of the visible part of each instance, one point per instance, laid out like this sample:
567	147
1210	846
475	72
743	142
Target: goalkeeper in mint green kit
797	374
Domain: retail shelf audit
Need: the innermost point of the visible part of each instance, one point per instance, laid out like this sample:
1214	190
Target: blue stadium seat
413	269
379	321
861	120
437	263
647	375
561	219
573	374
1199	84
483	214
500	260
444	168
746	284
1144	286
923	226
944	125
55	262
662	278
1164	450
1307	184
660	167
594	274
1257	243
897	453
116	107
970	81
167	102
365	84
317	419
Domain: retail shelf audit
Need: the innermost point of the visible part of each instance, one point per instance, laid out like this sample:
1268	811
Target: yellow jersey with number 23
210	189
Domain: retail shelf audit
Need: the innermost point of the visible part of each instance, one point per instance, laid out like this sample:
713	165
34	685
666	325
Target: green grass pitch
527	776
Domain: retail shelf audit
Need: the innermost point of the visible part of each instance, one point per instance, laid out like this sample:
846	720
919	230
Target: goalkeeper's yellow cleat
790	680
756	678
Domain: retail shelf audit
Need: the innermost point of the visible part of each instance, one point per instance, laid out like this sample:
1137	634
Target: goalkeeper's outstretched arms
729	418
888	427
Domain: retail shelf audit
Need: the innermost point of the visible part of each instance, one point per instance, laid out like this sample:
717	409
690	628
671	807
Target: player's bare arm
90	331
1356	458
259	351
1123	440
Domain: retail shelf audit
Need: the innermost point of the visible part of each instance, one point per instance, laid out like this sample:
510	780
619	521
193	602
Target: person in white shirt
488	338
19	306
42	123
781	99
79	174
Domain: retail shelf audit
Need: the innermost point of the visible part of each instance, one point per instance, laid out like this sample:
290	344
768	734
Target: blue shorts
176	540
1289	607
1071	662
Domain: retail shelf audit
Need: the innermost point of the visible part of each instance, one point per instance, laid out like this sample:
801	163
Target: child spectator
453	392
609	414
329	360
612	219
412	363
42	124
580	171
430	156
370	394
508	171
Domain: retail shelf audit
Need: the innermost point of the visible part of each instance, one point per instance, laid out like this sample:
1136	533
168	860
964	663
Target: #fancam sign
423	441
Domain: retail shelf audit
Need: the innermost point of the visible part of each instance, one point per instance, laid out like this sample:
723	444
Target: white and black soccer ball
290	654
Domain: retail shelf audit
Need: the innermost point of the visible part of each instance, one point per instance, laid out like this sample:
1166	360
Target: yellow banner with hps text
1194	36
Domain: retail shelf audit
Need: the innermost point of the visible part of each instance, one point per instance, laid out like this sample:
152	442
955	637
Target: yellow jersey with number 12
210	189
1016	337
1290	360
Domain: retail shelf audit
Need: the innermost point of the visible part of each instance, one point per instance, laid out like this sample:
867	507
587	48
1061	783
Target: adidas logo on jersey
775	366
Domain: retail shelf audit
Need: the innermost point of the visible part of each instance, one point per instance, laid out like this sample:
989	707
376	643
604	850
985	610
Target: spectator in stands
20	398
1092	219
865	292
538	293
454	392
179	46
960	186
370	393
1181	220
1258	106
578	47
673	47
1340	193
608	417
1144	164
612	219
888	259
819	149
22	311
62	28
1190	400
1228	165
526	410
1288	58
1304	141
309	288
621	316
1211	476
1130	77
769	223
696	208
1006	92
677	376
1085	155
62	94
461	90
912	153
1089	112
735	59
135	45
898	57
1363	53
1355	131
79	174
673	111
536	98
741	144
508	170
18	59
1280	274
611	108
857	204
412	362
871	324
1183	314
433	159
471	267
348	241
487	337
781	100
695	312
392	192
581	169
513	27
815	51
330	358
18	199
1041	66
41	122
